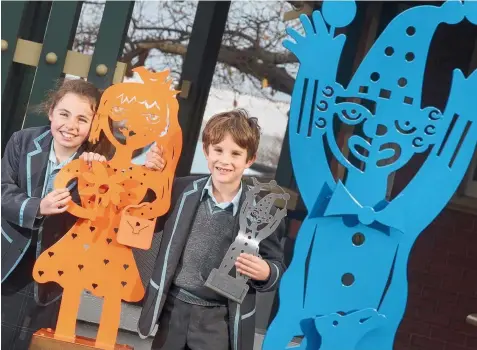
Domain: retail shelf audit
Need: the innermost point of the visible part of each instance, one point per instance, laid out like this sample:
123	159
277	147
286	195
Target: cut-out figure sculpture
257	222
346	287
89	256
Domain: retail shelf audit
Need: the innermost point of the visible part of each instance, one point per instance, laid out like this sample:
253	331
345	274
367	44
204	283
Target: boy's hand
155	158
55	202
89	157
253	266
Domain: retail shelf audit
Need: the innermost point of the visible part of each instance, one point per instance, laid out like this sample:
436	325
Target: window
255	72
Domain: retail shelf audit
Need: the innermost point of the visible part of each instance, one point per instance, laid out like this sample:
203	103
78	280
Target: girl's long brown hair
83	89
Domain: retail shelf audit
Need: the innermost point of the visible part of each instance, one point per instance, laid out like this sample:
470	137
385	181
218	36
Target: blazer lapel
177	231
37	161
237	216
188	204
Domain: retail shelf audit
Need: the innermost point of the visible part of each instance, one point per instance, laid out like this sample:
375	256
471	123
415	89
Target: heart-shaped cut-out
74	235
80	267
106	261
92	228
60	272
109	240
51	254
125	266
94	285
40	273
124	283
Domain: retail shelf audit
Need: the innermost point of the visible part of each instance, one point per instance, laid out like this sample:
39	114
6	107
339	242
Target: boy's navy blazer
186	194
24	166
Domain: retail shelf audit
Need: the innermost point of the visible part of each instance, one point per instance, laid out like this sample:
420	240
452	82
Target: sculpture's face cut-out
140	118
138	114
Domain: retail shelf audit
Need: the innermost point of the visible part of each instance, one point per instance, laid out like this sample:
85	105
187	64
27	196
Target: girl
33	214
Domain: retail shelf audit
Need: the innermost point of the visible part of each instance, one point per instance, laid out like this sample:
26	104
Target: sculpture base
44	339
227	286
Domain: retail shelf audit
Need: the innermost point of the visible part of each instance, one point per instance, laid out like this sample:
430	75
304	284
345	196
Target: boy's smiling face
227	161
71	121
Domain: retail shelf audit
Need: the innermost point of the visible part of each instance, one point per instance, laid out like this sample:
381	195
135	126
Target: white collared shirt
235	201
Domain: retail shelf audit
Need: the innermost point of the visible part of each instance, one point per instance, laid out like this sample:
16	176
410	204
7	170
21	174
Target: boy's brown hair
244	130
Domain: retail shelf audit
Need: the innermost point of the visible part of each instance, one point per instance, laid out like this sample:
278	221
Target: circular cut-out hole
411	31
347	279
335	323
410	57
389	51
402	82
358	239
375	76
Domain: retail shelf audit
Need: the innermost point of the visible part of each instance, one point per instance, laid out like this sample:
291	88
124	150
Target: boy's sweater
210	237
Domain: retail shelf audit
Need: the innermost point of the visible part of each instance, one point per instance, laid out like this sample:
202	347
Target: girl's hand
253	266
55	202
155	158
89	157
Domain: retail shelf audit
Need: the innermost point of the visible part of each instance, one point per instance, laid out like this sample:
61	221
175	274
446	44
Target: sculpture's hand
318	47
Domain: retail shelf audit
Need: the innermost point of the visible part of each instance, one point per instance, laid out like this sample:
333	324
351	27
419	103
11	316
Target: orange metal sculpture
114	206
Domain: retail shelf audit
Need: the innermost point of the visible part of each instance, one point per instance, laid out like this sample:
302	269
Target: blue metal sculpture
346	287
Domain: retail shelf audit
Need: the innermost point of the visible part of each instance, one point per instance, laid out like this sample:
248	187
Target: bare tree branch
251	49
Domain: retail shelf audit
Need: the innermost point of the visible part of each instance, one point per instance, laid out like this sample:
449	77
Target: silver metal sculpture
258	220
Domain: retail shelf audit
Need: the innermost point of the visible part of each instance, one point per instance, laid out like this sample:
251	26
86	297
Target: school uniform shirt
186	198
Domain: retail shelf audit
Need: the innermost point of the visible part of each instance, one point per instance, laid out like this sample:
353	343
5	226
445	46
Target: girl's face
71	121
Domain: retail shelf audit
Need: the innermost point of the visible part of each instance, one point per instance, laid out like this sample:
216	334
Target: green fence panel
58	39
109	46
11	19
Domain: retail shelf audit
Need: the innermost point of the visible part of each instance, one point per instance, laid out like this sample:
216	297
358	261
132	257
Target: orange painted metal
118	210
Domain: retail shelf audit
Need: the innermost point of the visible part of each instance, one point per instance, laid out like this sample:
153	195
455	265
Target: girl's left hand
253	266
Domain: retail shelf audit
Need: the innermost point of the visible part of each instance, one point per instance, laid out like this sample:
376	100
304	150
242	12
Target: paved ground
129	338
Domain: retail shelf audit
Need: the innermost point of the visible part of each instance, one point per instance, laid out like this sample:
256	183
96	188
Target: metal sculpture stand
45	339
346	287
256	223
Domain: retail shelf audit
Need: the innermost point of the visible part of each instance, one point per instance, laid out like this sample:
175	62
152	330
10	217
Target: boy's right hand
155	158
55	202
89	157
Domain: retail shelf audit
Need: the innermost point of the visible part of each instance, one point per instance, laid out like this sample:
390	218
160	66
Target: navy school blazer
23	174
186	193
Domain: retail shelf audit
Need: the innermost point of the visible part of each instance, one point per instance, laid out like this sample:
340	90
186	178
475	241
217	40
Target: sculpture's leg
278	337
393	305
287	322
66	324
344	332
109	323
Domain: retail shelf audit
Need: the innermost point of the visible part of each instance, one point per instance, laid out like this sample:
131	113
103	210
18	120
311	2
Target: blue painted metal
339	292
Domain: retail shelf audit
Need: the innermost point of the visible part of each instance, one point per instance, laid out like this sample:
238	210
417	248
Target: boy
200	226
